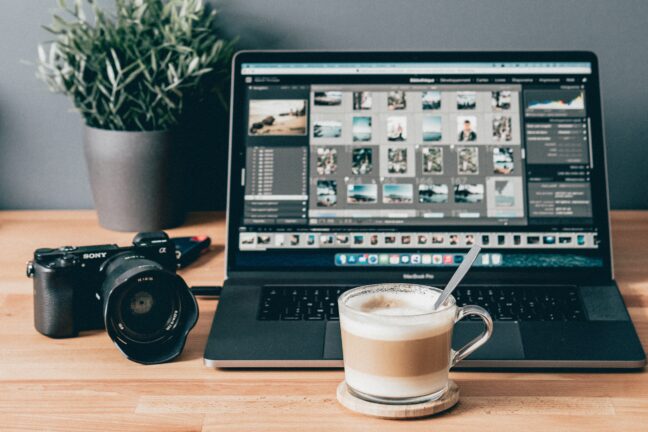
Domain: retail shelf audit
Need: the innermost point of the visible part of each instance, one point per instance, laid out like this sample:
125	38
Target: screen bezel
598	180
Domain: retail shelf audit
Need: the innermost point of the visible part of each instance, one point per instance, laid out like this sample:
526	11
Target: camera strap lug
30	269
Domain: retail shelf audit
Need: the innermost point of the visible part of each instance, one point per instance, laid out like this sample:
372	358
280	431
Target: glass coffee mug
396	347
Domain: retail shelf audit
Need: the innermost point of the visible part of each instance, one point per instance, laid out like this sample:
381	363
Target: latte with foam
395	345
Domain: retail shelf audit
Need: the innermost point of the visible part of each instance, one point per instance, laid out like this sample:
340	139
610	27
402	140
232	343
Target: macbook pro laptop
350	168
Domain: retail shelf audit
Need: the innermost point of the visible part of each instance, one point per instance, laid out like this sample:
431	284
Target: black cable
206	291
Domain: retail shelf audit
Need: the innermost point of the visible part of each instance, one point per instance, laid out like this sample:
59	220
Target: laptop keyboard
528	303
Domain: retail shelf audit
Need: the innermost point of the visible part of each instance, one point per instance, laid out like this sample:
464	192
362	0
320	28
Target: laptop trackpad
506	342
333	341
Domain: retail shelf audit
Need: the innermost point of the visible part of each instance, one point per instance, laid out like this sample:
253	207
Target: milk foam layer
397	315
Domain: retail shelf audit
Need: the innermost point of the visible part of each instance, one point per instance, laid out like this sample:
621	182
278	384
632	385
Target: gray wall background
41	158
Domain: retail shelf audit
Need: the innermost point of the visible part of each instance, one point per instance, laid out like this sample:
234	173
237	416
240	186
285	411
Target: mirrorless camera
132	292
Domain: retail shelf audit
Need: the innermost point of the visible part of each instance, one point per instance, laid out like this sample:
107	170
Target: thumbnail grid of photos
418	148
404	116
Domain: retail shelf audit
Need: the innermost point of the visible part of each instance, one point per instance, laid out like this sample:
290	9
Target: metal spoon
458	275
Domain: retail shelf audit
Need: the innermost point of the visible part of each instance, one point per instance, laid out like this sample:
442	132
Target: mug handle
480	340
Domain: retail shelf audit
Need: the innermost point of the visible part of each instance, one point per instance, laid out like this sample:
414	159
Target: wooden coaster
350	401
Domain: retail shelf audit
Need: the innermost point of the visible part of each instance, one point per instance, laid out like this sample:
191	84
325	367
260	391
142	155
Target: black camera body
131	291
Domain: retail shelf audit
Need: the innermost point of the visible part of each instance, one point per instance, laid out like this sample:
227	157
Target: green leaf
111	73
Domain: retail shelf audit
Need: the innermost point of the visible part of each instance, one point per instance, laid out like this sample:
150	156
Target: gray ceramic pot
136	179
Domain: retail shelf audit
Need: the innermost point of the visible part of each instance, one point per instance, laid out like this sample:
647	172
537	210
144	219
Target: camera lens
144	312
148	310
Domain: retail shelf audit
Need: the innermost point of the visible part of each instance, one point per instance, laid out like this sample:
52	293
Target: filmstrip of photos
377	126
257	241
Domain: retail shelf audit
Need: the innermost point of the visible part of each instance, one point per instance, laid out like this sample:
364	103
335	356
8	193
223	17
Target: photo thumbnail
396	100
361	129
397	128
362	100
433	193
501	100
326	193
327	239
327	160
263	239
466	100
502	128
248	239
432	128
432	160
431	100
396	160
277	117
469	193
328	98
327	129
504	193
362	193
468	160
503	160
467	127
362	161
398	193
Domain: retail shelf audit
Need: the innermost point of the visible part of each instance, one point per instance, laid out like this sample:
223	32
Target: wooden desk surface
85	384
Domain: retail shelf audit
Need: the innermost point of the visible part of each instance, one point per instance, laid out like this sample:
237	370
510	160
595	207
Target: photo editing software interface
409	164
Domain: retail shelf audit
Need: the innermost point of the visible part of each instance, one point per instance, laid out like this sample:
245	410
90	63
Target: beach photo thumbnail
327	129
362	193
433	193
361	129
469	193
328	98
398	193
432	128
277	117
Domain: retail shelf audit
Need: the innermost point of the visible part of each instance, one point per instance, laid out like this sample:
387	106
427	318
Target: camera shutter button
67	248
66	261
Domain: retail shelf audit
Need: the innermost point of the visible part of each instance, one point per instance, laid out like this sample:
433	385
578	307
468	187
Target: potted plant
131	73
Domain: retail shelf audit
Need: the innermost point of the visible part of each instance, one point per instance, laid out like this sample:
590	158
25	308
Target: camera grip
53	303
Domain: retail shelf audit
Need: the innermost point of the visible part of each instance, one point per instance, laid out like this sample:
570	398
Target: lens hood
148	310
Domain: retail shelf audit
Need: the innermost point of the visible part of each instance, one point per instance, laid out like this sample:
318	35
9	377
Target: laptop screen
349	165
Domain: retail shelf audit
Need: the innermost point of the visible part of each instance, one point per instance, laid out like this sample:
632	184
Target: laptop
351	168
